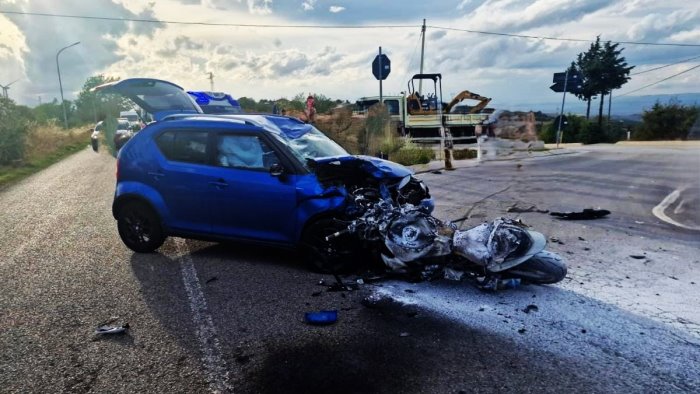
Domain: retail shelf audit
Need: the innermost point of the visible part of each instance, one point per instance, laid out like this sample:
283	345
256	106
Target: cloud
180	46
45	36
656	26
308	5
260	7
336	9
436	34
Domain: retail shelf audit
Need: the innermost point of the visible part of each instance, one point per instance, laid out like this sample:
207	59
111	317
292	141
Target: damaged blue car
256	178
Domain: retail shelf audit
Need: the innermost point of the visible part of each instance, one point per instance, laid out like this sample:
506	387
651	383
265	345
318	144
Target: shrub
13	132
462	154
410	156
667	122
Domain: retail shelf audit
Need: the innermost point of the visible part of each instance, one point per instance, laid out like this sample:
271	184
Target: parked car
259	178
123	134
216	103
95	136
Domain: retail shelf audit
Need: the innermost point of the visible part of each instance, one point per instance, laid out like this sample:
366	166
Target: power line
104	18
668	65
222	24
658	82
558	38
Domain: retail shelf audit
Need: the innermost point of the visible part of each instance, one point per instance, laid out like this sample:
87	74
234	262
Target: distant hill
622	107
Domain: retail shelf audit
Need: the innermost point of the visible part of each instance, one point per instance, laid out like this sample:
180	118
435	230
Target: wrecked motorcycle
411	241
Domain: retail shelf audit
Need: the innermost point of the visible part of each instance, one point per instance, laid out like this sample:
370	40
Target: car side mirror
277	170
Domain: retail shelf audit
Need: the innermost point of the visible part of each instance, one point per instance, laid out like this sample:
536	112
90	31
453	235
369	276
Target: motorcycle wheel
543	268
338	255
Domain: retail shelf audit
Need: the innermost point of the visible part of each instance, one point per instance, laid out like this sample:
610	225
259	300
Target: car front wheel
140	228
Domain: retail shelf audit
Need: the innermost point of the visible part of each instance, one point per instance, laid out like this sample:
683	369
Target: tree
91	107
48	112
602	69
248	104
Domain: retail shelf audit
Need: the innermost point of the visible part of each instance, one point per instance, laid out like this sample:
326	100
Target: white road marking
214	364
660	210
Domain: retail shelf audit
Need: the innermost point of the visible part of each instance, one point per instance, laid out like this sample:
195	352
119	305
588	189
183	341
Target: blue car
257	178
216	103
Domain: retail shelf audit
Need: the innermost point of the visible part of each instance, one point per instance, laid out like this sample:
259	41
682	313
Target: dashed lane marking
214	364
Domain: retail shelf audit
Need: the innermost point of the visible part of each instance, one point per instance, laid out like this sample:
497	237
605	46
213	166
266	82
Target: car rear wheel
140	228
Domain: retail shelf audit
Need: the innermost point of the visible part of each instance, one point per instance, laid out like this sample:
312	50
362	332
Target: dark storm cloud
45	36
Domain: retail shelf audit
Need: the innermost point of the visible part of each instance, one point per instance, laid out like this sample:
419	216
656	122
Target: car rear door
183	177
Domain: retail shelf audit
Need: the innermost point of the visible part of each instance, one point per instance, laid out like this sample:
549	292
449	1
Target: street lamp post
60	84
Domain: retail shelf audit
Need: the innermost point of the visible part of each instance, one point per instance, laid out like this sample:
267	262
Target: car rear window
184	145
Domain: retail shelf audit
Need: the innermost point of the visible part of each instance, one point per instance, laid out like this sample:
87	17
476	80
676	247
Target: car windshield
311	144
123	124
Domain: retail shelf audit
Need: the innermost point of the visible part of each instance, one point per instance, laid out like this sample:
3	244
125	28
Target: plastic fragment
106	329
321	318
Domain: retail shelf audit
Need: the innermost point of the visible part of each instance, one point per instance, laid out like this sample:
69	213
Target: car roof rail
241	118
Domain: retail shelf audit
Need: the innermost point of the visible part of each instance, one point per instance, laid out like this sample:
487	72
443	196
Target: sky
274	60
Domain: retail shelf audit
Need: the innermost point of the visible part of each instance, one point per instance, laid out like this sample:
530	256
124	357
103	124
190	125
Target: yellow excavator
465	94
418	105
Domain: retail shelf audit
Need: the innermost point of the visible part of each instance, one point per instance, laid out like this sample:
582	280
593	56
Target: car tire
140	228
338	255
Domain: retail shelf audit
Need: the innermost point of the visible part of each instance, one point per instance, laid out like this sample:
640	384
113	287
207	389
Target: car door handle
156	174
219	183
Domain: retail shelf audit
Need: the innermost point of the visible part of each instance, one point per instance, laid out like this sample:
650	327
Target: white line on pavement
214	364
660	210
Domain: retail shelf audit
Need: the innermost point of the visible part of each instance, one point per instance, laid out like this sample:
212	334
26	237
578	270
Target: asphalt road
229	318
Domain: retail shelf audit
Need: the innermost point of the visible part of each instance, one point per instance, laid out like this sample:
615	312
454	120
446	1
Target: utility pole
422	53
211	80
561	115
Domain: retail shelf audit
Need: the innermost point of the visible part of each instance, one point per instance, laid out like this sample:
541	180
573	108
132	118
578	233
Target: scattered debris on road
586	214
531	308
533	208
106	329
453	274
494	283
321	318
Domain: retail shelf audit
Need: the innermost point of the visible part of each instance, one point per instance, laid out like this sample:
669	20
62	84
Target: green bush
13	132
412	156
462	154
670	121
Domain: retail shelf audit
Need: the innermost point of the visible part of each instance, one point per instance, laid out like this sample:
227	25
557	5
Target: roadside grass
45	145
